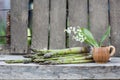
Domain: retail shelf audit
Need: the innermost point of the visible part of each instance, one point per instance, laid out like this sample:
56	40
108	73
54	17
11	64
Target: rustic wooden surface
89	71
57	24
98	10
77	17
19	23
115	24
40	24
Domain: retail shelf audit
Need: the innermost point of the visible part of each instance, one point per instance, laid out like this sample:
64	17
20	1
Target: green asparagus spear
62	51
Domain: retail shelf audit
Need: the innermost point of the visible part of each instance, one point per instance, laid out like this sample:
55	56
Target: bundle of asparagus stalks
59	56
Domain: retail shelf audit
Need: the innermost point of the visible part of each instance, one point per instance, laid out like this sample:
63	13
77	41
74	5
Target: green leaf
87	33
90	38
104	36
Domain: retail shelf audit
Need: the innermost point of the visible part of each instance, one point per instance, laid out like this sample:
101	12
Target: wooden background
51	17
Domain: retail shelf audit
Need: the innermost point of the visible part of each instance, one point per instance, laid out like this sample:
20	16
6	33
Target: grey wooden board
4	49
87	71
99	18
19	23
57	24
77	17
12	57
40	24
115	24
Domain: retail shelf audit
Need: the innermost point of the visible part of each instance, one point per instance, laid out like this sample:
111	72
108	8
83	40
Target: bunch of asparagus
60	56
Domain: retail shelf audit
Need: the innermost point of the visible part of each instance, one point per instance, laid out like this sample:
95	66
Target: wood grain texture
81	71
57	24
98	10
40	24
115	24
77	17
19	22
4	49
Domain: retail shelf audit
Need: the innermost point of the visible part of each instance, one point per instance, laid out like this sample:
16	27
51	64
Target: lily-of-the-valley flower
68	31
84	35
77	33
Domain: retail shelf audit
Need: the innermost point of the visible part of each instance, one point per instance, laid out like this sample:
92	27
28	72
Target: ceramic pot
102	54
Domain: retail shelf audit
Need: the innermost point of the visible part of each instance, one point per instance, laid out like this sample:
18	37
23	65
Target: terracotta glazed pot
102	54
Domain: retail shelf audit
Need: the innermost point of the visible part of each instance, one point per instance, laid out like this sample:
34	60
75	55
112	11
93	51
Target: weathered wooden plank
84	71
40	24
57	24
98	10
19	22
77	17
4	49
115	24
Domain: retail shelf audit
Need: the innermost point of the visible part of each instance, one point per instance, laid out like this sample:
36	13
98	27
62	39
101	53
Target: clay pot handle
113	50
